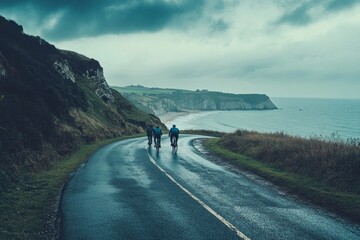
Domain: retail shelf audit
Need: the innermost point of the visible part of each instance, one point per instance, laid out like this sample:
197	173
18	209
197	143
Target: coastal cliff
160	101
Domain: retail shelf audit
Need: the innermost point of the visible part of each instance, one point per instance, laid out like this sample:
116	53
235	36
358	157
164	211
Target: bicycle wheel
174	145
157	144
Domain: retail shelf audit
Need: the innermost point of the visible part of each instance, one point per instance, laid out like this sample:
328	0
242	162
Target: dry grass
335	164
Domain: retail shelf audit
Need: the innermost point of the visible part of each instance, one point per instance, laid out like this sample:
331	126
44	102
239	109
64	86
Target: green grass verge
29	210
203	132
345	204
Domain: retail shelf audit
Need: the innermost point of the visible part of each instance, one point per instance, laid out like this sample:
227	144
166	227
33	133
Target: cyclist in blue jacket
157	135
174	133
150	132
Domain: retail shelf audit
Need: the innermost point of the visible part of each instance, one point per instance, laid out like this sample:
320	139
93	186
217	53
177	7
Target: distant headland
159	101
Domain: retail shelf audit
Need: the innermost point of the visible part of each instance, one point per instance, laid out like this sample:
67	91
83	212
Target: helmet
174	125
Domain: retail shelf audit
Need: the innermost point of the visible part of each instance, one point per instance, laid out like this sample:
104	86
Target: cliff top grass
323	171
143	90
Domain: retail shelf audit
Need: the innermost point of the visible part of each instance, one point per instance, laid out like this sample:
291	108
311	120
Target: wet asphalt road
126	191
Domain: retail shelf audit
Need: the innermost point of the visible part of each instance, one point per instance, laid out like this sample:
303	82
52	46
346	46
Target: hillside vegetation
51	103
56	108
160	101
326	172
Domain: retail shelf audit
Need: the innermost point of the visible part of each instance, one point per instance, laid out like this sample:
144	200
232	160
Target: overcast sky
283	48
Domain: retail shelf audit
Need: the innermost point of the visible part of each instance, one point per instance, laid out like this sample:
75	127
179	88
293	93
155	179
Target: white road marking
218	216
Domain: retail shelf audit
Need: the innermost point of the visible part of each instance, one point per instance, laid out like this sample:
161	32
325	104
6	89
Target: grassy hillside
324	172
51	103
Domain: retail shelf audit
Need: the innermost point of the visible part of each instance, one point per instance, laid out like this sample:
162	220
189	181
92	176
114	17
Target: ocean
334	119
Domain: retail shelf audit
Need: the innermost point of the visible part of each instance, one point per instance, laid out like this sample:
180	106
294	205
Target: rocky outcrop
96	78
64	70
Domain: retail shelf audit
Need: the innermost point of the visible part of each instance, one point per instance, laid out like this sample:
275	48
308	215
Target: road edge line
209	209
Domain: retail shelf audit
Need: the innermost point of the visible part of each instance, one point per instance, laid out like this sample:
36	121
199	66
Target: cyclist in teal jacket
174	133
157	135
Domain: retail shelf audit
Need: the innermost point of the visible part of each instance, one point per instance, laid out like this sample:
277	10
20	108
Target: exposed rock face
266	105
173	100
2	72
64	69
242	105
97	80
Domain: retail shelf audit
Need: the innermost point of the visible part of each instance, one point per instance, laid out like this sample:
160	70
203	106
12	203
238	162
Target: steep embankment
52	102
160	101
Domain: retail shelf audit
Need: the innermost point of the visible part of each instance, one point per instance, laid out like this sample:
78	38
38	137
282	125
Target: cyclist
174	133
150	132
157	135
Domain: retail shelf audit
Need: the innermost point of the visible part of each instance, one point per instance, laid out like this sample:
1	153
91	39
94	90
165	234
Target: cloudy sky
286	48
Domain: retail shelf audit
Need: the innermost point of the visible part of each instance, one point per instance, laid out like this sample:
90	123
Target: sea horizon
325	118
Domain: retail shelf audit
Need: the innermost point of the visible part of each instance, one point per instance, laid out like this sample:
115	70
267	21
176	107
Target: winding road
129	191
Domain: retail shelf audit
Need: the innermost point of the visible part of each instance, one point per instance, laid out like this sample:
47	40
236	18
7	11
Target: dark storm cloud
94	17
301	14
298	16
336	5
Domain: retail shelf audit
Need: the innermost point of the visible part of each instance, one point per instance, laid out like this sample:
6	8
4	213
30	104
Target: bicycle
149	139
157	144
174	145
